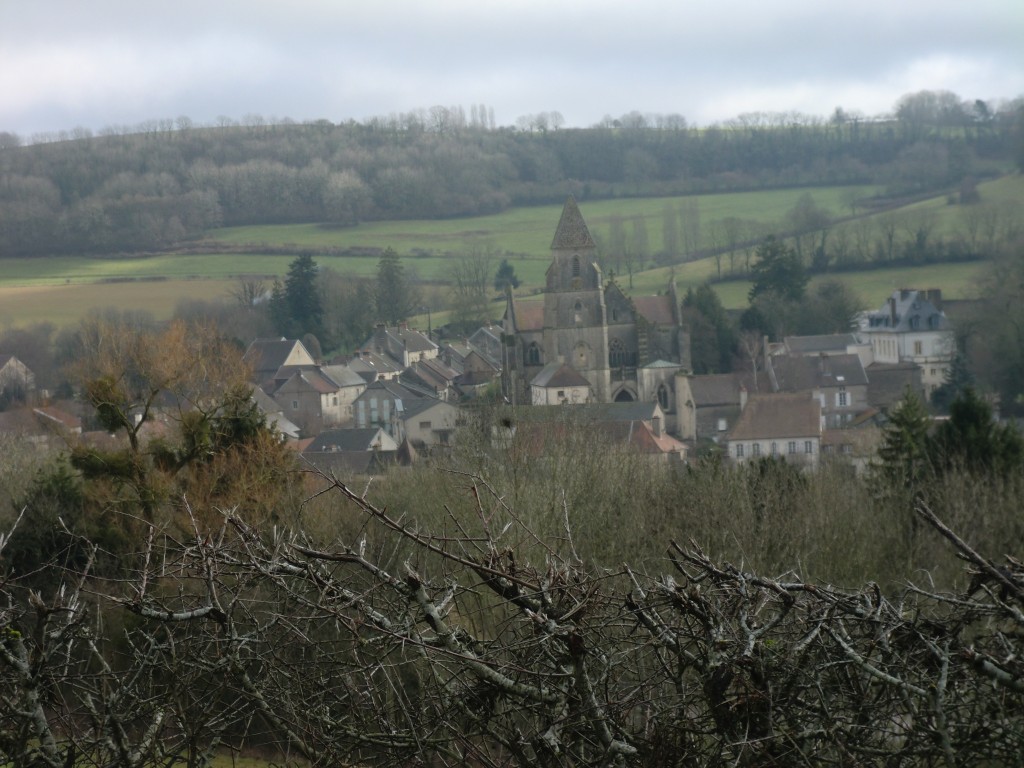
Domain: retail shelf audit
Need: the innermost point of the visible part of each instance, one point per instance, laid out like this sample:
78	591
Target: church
584	340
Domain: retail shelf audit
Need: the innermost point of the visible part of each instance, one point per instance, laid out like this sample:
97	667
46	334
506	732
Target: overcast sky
97	63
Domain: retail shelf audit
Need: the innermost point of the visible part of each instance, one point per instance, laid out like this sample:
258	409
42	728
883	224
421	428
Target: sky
95	64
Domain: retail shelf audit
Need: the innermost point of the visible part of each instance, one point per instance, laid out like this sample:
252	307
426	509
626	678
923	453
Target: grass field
63	289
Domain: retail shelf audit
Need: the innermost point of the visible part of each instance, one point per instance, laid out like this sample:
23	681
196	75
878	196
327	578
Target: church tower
575	316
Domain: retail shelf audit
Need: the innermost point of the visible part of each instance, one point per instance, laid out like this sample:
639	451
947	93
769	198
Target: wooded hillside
169	181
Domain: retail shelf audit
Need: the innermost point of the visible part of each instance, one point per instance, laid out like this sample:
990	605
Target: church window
575	266
533	354
663	397
578	312
616	353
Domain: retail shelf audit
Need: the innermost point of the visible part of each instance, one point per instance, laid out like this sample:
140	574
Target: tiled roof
364	439
809	345
656	309
779	415
572	232
795	374
559	375
529	314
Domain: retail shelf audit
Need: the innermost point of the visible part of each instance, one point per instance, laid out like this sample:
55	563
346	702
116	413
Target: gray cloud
64	63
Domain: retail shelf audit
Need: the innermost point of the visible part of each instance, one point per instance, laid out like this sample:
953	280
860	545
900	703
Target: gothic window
578	312
533	354
616	353
663	397
575	266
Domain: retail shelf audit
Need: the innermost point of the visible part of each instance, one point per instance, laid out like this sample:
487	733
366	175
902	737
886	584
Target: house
428	422
433	375
341	452
556	384
17	382
402	344
708	405
319	397
888	384
781	425
274	416
838	381
911	327
382	404
374	367
638	426
478	373
265	357
589	325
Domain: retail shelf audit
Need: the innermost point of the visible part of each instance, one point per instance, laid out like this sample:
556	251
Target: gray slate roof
558	374
811	345
780	415
796	374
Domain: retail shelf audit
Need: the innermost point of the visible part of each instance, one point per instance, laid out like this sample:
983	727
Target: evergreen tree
778	270
302	298
505	277
958	379
972	439
904	451
395	298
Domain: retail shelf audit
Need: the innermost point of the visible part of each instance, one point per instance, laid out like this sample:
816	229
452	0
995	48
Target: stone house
780	425
911	327
557	384
266	357
318	398
837	381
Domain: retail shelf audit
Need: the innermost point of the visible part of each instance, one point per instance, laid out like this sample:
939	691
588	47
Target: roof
591	412
778	416
342	463
267	355
795	374
529	314
888	382
656	309
420	405
571	232
343	375
907	310
558	374
364	439
811	345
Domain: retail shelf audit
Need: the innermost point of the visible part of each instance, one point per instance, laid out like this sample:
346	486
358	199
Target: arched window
616	353
533	354
663	397
575	266
578	312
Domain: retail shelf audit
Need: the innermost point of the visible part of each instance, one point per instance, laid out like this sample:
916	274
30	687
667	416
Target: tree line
125	191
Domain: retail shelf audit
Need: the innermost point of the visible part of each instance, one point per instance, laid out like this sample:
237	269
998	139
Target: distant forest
164	182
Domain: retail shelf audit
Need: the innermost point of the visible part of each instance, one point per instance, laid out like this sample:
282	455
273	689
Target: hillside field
62	289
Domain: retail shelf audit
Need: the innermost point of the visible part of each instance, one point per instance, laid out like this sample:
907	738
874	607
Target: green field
62	289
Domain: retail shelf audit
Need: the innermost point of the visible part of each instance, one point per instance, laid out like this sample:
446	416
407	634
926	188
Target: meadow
62	289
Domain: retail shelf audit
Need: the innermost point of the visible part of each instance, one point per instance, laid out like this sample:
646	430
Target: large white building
911	327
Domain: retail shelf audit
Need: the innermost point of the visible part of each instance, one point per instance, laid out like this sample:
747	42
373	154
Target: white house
780	425
911	327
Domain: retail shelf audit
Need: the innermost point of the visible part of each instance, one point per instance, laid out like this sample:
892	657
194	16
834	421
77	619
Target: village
586	353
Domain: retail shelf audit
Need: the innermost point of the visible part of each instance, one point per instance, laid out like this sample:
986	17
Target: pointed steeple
572	232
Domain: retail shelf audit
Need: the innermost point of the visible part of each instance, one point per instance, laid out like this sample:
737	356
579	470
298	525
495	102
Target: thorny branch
463	651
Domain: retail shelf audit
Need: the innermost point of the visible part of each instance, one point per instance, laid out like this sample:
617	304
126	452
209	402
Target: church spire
572	232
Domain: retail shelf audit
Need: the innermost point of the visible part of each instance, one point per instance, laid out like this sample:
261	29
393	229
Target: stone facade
627	349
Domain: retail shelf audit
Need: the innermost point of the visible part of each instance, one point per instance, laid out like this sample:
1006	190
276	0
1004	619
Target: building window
755	449
424	425
808	446
295	405
918	348
334	400
792	446
575	266
739	450
533	354
722	425
578	312
616	353
775	449
663	397
842	398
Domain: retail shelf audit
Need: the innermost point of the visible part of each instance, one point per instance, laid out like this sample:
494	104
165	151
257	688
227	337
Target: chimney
892	310
656	426
934	295
743	396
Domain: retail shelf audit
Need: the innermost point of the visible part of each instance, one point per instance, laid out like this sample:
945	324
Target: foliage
971	438
395	295
505	278
778	271
713	339
905	449
297	306
958	379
